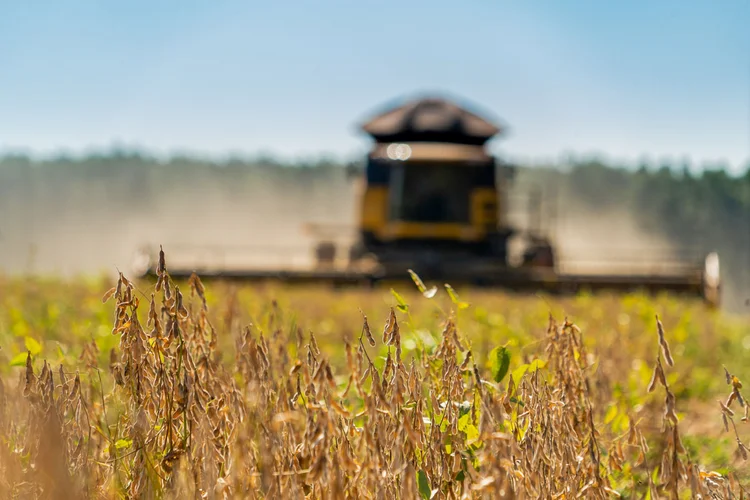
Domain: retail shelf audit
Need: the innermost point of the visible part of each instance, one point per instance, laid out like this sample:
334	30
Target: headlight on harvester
712	280
711	270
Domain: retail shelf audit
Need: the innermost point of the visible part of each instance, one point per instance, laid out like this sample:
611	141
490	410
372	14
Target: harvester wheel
356	253
325	254
539	255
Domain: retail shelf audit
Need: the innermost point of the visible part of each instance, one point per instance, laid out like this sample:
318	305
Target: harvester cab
433	198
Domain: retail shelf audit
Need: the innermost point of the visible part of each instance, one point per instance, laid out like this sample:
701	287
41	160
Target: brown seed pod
663	342
366	328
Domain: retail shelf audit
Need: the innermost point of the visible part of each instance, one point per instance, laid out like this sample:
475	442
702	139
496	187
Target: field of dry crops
205	390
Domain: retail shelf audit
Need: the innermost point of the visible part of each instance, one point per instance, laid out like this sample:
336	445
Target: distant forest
123	196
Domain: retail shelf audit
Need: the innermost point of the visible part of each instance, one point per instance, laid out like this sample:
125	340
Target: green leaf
535	365
419	454
123	443
499	363
20	327
443	422
33	346
424	485
417	281
19	359
620	423
611	414
421	286
402	305
452	293
464	408
454	297
465	425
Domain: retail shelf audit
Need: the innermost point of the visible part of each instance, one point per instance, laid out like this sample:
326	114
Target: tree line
707	209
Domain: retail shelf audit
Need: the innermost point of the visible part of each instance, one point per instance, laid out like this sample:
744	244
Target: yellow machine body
378	203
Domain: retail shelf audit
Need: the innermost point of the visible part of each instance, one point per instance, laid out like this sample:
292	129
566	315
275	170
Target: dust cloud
590	236
88	226
83	227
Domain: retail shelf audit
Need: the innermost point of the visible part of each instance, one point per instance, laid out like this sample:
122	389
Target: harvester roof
431	119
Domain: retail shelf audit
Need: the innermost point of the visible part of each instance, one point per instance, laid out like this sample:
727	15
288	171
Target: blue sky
664	79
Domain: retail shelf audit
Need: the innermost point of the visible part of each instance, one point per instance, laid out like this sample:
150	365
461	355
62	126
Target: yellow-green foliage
266	391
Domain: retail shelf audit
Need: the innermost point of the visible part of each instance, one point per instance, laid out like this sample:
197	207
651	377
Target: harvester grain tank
433	199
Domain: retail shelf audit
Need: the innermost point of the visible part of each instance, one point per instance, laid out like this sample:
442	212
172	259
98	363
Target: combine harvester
432	199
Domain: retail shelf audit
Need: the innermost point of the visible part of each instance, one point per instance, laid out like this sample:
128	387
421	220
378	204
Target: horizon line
562	158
